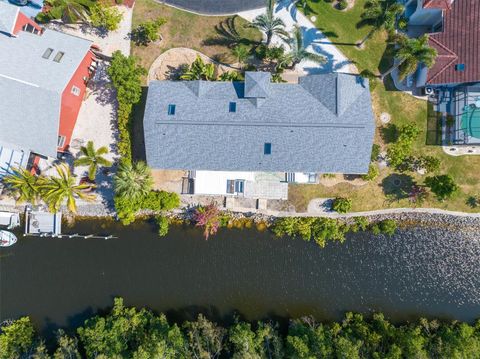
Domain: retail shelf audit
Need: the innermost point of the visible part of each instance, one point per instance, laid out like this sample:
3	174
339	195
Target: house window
267	148
232	107
29	28
235	186
460	67
171	110
58	57
61	141
48	52
75	91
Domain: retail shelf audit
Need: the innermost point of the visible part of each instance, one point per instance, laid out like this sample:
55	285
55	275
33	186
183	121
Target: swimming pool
471	121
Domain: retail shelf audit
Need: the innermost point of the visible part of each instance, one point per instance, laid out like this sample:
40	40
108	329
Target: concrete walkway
314	40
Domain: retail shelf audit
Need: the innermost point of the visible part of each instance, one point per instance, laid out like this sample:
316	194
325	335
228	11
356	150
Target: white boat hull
7	239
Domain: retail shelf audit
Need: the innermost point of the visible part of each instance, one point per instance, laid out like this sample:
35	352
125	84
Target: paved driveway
215	7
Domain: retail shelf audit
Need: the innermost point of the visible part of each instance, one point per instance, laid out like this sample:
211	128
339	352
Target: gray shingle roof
323	124
31	87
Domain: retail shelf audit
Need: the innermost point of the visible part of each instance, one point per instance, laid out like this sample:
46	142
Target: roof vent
460	67
48	52
58	57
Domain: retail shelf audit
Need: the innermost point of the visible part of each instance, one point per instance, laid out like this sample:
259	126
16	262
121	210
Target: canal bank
420	271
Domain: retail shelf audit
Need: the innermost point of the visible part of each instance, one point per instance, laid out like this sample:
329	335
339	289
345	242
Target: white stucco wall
215	182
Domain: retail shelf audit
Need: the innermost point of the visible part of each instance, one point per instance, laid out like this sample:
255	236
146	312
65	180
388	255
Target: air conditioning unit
429	91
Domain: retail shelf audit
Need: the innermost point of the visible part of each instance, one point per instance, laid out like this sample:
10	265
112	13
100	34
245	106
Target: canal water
418	272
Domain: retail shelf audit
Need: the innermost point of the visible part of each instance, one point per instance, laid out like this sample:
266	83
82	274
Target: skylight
48	52
267	148
460	67
171	109
232	107
58	57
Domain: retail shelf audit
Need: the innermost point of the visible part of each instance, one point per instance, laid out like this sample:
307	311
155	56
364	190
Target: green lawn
341	27
184	29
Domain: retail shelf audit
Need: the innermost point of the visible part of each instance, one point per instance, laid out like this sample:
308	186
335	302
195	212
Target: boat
7	238
9	220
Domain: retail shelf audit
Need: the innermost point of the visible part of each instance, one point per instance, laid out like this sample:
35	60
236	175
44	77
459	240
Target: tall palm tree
133	181
298	51
270	24
381	15
55	190
93	159
198	70
70	11
409	53
23	183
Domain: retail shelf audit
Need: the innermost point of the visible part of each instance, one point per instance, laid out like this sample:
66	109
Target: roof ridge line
268	124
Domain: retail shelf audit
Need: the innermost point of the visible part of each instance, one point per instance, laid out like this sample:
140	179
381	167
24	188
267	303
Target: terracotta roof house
252	138
43	76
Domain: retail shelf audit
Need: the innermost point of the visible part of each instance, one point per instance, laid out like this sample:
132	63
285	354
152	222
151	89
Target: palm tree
230	76
198	70
56	190
409	53
70	11
298	51
241	53
380	14
92	158
270	24
24	183
133	181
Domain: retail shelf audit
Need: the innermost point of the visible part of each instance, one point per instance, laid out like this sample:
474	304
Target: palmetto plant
270	24
133	181
298	51
23	183
93	159
198	70
409	53
55	190
241	53
380	14
70	11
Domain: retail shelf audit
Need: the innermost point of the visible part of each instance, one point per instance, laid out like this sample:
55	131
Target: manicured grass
386	191
184	29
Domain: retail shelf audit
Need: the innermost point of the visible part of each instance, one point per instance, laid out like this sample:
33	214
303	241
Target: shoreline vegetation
128	332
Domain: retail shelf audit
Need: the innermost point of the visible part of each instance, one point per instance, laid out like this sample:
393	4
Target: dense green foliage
398	152
93	158
105	17
443	186
126	77
342	205
163	225
372	173
147	31
155	201
141	334
322	230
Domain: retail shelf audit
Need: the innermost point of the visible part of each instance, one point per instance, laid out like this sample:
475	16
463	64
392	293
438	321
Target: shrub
399	151
342	205
429	163
327	229
261	226
402	23
360	224
375	152
119	2
147	31
126	77
207	217
443	186
473	201
162	223
387	226
105	17
373	173
342	4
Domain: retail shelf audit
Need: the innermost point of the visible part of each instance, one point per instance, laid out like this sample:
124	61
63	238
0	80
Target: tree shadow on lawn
228	35
397	186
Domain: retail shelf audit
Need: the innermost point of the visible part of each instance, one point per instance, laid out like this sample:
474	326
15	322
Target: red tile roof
441	4
459	43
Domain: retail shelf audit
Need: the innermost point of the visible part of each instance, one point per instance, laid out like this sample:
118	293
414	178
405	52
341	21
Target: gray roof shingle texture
31	87
8	16
323	124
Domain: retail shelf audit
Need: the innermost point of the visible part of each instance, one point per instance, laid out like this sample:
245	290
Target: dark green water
60	282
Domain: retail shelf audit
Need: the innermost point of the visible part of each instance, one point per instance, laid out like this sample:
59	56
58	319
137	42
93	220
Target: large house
43	77
252	138
453	83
